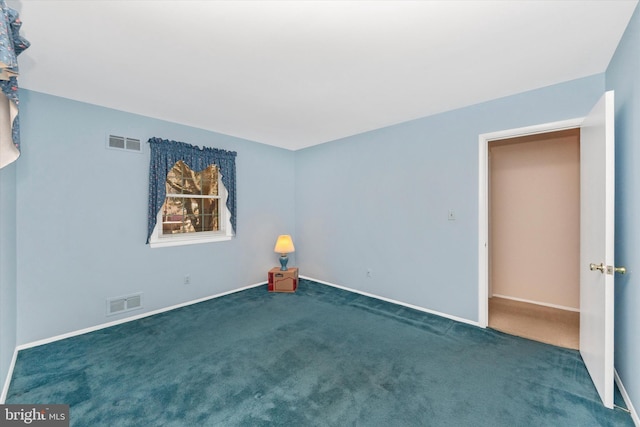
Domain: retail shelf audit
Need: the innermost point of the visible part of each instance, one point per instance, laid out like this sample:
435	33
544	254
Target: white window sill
163	242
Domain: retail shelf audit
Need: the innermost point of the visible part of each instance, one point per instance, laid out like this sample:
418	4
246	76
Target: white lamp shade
284	245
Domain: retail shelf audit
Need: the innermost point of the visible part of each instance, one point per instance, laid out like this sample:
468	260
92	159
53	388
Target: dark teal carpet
320	356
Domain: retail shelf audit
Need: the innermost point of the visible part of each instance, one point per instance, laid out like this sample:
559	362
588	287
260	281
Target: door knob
611	269
608	268
621	270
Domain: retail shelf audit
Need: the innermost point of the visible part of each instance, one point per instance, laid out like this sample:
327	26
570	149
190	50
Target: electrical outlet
187	279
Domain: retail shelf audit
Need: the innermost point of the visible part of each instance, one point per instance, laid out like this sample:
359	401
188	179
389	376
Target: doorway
597	210
529	266
534	236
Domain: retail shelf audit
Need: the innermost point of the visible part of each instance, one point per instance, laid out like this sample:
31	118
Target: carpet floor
536	322
318	357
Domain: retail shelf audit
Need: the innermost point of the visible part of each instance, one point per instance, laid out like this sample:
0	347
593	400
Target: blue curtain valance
165	154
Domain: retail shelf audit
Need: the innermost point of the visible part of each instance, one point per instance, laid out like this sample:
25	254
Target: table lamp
284	245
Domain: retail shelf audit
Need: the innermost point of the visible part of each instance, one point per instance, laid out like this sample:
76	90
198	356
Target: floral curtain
165	154
11	45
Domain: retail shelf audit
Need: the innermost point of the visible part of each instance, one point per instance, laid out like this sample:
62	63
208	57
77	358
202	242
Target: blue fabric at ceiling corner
11	45
165	154
11	42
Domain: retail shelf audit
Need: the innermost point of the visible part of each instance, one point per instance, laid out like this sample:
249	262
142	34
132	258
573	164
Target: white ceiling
298	73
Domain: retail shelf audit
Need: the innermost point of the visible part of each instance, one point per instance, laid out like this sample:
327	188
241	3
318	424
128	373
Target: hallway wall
534	240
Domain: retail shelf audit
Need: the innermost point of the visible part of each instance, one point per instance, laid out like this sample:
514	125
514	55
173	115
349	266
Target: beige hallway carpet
536	322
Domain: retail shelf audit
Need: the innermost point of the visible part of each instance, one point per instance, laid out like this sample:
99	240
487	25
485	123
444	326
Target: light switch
452	215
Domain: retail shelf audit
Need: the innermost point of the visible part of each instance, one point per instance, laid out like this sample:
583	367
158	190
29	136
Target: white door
596	245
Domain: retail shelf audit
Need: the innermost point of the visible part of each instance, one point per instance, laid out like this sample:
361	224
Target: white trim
131	318
5	389
483	232
173	307
483	201
545	304
627	399
534	130
7	382
181	240
415	307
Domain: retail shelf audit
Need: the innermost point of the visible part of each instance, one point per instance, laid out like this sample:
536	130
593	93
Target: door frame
483	200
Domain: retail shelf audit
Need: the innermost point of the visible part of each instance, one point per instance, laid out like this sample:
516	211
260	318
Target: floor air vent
124	304
124	143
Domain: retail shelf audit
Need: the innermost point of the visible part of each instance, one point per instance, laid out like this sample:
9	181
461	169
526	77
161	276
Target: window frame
160	240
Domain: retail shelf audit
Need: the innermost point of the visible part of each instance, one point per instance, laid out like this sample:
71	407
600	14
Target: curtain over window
165	154
11	45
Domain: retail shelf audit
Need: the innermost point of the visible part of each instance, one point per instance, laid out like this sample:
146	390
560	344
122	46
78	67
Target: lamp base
284	259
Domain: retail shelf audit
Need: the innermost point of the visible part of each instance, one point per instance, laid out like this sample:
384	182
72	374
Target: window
192	202
194	209
188	205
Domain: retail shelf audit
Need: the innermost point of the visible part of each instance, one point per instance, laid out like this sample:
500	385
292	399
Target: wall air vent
124	143
123	304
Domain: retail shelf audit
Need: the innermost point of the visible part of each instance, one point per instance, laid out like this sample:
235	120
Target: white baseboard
627	399
415	307
5	388
560	307
130	319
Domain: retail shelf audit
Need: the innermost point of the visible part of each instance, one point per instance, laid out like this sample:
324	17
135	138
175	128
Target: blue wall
379	200
623	76
8	279
82	218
